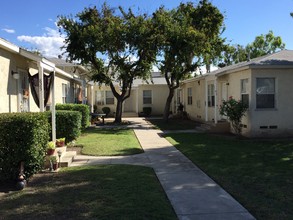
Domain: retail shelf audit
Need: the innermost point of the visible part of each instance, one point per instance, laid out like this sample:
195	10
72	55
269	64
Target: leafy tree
265	44
232	54
125	40
188	37
262	45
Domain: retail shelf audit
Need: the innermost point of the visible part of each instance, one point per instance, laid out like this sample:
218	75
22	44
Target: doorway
23	91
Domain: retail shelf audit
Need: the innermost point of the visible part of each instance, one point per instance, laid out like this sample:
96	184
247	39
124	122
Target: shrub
147	111
106	110
23	137
83	109
234	110
68	124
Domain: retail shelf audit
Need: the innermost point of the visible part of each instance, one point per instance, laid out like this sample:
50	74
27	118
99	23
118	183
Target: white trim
53	109
206	104
41	86
216	101
9	46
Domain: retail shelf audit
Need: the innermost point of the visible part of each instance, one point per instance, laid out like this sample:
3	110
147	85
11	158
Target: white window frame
265	91
100	97
189	96
64	92
244	91
147	97
109	98
211	95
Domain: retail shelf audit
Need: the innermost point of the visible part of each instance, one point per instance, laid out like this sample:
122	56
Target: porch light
59	152
15	74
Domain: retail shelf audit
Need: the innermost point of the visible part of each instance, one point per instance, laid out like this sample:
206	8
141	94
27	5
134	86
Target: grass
108	142
173	124
90	192
259	174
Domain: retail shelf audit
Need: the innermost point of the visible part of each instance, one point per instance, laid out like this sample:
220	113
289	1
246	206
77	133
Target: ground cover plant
173	124
90	192
259	174
108	142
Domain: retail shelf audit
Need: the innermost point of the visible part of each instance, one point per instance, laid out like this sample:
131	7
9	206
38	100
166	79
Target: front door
23	91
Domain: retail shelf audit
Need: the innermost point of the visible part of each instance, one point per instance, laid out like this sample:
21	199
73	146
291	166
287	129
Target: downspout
137	90
216	101
206	100
53	109
92	99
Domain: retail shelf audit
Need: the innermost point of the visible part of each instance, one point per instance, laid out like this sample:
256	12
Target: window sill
265	109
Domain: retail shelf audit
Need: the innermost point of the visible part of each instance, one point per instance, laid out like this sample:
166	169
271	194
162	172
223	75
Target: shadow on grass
92	192
173	124
258	173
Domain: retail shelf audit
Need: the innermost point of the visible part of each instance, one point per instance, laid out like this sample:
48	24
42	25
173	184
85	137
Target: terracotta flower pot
50	152
55	166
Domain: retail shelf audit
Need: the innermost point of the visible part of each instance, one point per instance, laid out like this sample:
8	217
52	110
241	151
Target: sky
31	24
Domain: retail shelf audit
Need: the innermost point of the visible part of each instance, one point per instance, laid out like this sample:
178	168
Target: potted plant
53	162
60	142
51	148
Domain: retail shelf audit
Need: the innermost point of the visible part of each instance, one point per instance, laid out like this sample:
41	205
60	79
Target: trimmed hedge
68	124
23	137
83	109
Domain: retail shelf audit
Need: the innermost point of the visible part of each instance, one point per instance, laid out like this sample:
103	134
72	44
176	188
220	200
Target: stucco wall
277	121
159	97
104	88
233	88
10	90
196	110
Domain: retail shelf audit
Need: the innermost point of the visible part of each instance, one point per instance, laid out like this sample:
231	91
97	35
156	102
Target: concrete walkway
191	192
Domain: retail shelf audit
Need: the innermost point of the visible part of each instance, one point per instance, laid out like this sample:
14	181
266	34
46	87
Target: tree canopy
188	37
262	45
125	40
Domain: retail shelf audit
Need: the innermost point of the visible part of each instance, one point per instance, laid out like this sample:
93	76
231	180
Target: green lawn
108	142
259	174
90	192
173	124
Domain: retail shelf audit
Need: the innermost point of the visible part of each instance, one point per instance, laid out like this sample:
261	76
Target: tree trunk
168	104
118	115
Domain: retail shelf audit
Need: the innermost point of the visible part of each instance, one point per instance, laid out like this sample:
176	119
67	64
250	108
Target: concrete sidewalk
191	192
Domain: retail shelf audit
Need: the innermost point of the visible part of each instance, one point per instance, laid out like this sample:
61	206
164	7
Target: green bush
234	110
83	109
68	124
23	137
106	110
147	111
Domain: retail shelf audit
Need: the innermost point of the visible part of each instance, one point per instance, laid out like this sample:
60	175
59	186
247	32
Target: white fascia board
63	73
30	55
8	46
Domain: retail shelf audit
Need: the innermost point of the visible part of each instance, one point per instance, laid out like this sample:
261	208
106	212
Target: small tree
187	37
234	110
124	40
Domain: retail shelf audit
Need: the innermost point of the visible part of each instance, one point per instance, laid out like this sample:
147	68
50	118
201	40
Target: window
147	96
211	95
109	98
244	91
64	92
189	96
265	93
100	97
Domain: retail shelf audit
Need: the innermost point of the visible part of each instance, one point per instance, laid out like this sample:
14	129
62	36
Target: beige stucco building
152	93
16	64
264	83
